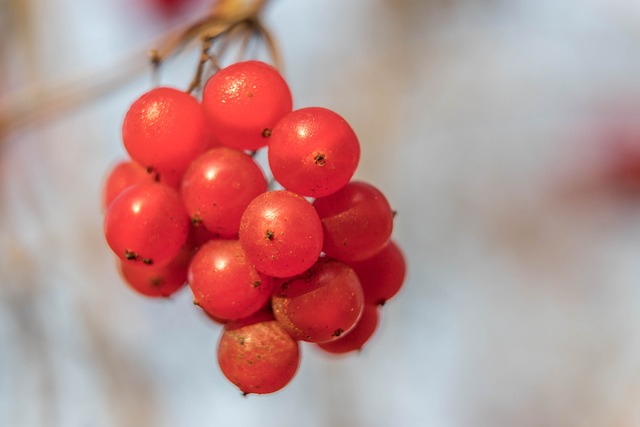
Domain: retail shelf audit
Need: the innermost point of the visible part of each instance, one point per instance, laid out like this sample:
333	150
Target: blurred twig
35	103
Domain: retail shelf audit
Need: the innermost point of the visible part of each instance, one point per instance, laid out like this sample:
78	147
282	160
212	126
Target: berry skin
165	130
381	275
152	281
357	221
244	101
122	176
147	224
313	152
257	355
321	304
358	336
218	187
223	282
281	233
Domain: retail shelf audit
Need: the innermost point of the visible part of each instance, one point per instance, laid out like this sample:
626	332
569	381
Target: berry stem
225	18
204	58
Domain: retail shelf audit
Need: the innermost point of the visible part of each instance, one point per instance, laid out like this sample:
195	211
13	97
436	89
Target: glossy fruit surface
244	101
313	152
381	275
122	176
320	304
165	130
281	233
357	221
153	281
356	338
218	187
147	224
224	283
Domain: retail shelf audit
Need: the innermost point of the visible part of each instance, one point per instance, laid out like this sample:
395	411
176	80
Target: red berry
382	274
122	176
152	281
218	187
165	129
313	152
281	233
244	101
224	283
257	355
357	221
320	304
199	235
355	339
147	224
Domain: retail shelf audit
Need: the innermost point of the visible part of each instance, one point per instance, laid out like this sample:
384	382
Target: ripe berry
257	354
357	221
281	233
382	274
313	152
321	304
165	130
355	339
122	176
218	187
147	224
244	101
224	283
153	281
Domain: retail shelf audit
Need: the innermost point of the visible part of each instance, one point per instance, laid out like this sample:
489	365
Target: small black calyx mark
319	159
156	281
269	235
266	133
152	171
337	332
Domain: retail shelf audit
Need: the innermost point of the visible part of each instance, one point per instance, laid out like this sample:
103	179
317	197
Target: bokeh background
502	131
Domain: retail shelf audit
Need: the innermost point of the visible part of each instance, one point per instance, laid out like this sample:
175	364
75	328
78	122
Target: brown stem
224	17
204	58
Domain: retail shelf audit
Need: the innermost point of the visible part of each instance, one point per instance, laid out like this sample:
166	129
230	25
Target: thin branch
36	103
204	58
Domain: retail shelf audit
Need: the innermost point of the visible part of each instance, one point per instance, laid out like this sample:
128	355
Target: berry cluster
194	206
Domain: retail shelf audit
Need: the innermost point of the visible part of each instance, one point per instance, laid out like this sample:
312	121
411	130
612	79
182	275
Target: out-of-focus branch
35	103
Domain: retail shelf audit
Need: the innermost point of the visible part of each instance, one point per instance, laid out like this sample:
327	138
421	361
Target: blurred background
505	133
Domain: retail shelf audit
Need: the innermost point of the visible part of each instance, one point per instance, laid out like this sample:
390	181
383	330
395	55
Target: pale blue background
477	118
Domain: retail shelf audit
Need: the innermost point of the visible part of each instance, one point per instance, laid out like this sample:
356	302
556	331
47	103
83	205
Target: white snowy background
478	118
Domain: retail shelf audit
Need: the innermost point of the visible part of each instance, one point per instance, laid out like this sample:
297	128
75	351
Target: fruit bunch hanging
282	252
